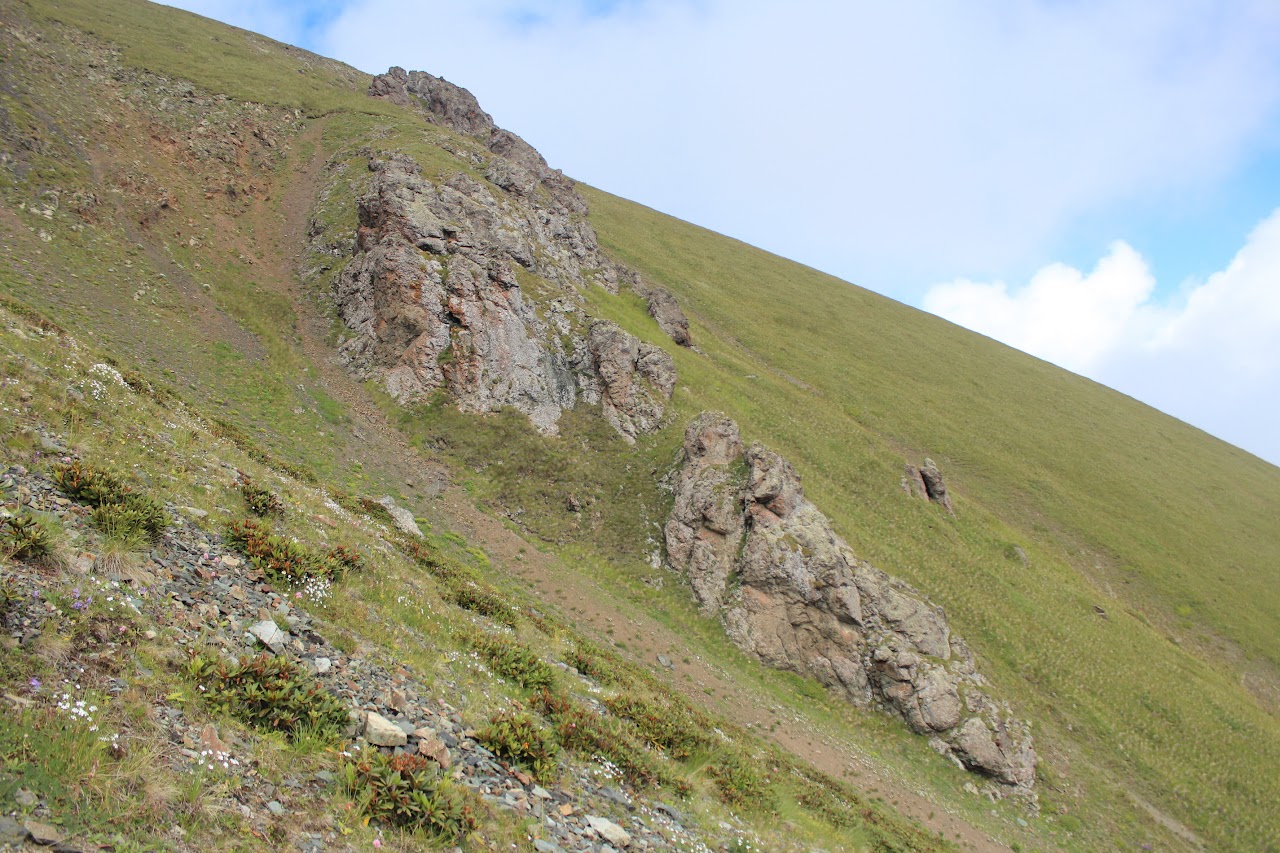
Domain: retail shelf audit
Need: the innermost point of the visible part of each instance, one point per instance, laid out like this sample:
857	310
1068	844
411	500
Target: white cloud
1062	315
1211	357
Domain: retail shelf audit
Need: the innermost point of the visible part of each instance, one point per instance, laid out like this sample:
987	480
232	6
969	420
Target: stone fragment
402	517
610	831
43	833
380	731
270	635
12	832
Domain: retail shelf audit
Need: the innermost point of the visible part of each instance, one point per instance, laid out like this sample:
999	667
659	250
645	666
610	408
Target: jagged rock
636	378
706	523
666	311
454	105
792	593
445	103
933	485
434	295
435	303
927	483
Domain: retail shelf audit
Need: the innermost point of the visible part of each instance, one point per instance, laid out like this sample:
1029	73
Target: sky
1095	183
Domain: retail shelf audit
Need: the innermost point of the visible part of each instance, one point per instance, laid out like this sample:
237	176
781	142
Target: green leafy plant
345	557
518	737
133	515
590	660
276	555
482	599
670	726
260	500
406	791
134	522
24	537
270	693
587	733
441	567
513	660
10	596
739	782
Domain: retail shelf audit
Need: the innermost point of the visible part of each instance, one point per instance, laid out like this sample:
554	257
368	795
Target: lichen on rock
792	593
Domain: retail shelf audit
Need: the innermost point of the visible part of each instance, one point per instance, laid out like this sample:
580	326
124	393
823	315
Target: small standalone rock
269	633
43	833
380	731
401	516
610	831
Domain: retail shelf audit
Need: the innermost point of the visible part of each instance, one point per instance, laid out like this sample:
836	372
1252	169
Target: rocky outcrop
927	483
636	379
518	168
434	300
434	294
791	592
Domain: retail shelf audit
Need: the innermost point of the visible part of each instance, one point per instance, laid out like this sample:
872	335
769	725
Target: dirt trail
594	608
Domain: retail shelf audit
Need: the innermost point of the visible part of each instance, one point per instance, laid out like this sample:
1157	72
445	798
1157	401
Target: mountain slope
163	207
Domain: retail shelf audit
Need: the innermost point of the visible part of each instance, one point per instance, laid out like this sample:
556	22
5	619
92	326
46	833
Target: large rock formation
790	592
519	170
434	296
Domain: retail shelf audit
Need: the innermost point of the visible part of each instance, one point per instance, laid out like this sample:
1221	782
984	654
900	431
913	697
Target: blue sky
1092	182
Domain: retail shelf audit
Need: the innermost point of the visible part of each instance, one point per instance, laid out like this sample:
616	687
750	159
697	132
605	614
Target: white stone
610	831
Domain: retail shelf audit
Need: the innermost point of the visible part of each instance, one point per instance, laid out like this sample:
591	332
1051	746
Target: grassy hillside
161	173
1171	532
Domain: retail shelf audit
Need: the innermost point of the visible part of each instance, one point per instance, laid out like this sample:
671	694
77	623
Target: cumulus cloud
1063	315
1210	355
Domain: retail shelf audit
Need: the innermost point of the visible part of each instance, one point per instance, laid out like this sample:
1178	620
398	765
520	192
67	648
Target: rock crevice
791	592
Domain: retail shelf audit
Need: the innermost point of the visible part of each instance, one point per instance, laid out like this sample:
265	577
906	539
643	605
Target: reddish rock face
790	591
433	296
